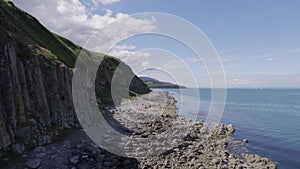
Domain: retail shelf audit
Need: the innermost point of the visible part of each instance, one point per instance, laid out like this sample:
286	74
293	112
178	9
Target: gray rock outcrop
36	97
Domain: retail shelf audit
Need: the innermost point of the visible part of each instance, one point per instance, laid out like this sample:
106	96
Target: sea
268	118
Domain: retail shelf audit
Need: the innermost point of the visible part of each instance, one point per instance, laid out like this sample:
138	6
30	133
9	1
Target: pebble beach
147	116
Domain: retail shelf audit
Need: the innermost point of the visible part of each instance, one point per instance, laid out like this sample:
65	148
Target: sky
258	42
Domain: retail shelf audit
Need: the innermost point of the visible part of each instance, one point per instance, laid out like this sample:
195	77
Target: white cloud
191	60
238	81
128	54
145	65
124	47
104	2
270	59
239	56
264	80
174	64
73	20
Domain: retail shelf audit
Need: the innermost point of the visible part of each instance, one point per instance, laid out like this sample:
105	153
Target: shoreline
216	151
78	151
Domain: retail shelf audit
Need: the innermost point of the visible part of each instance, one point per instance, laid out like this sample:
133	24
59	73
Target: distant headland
154	83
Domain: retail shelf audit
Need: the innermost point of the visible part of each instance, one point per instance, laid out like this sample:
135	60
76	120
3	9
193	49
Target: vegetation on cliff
36	69
154	83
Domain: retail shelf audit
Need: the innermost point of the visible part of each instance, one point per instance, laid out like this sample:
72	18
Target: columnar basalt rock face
36	69
36	96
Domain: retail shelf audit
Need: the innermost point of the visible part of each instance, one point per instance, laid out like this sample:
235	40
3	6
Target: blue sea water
268	118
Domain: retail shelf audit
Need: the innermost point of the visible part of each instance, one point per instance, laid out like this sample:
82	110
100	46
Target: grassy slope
37	34
27	30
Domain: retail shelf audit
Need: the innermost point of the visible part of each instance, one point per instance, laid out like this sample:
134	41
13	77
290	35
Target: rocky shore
145	117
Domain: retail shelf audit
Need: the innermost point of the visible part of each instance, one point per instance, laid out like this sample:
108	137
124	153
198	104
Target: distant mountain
144	78
154	83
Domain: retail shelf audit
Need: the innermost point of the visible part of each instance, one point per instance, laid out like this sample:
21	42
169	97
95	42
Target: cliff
36	69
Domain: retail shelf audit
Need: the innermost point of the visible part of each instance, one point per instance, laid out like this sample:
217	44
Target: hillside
36	68
26	30
154	83
29	36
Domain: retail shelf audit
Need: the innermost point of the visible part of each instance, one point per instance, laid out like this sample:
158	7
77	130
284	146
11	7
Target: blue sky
265	25
252	32
258	41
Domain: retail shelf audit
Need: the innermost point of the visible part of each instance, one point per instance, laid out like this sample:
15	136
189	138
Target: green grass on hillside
27	30
22	25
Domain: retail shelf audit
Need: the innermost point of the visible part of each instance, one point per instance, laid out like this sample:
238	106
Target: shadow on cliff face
36	101
36	71
116	81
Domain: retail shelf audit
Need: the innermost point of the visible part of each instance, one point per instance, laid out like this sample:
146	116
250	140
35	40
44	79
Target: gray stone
18	148
245	140
40	155
33	163
74	159
111	163
24	132
40	149
67	144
